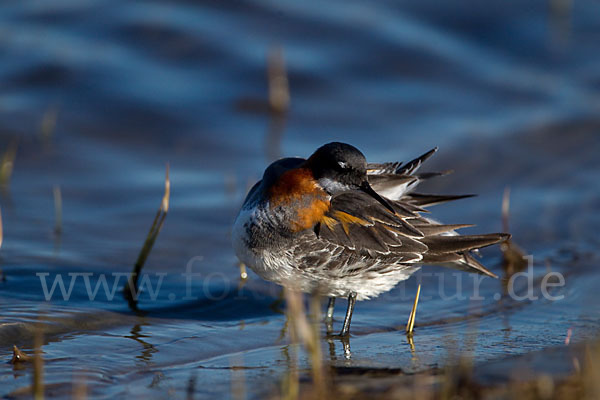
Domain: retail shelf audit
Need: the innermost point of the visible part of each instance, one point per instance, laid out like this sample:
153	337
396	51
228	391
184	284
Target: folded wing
359	223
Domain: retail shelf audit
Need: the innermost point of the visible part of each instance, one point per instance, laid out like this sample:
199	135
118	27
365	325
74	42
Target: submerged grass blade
19	356
243	272
306	331
314	348
279	91
131	288
411	318
191	386
48	124
1	229
7	163
243	276
38	364
238	377
290	385
505	208
57	210
80	390
513	256
2	278
279	102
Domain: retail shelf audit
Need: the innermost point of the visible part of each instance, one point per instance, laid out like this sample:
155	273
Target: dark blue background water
509	90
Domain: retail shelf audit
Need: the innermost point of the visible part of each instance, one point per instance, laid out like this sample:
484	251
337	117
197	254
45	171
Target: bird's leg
346	345
330	306
346	328
411	319
329	315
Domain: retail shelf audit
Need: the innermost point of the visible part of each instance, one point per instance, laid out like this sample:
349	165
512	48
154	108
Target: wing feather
357	221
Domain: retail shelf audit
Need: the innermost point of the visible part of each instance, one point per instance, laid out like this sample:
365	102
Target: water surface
510	93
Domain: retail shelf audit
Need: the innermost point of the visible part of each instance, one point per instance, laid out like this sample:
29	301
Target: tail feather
444	258
460	243
460	261
427	175
387	182
424	200
387	168
412	166
438	229
398	168
394	180
472	264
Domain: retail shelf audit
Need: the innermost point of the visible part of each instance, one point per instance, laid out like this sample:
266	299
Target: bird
336	225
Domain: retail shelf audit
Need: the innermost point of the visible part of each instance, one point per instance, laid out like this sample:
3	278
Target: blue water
509	91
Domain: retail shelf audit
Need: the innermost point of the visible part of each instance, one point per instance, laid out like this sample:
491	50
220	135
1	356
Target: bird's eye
343	164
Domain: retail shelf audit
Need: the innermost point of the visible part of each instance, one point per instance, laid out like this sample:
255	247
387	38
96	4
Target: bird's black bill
365	187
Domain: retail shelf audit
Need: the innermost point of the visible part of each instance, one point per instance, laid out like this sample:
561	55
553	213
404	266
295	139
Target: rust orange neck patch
298	189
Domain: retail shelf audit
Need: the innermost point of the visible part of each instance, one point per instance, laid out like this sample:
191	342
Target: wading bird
337	225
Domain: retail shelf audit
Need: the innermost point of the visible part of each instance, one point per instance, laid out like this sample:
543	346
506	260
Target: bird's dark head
339	167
